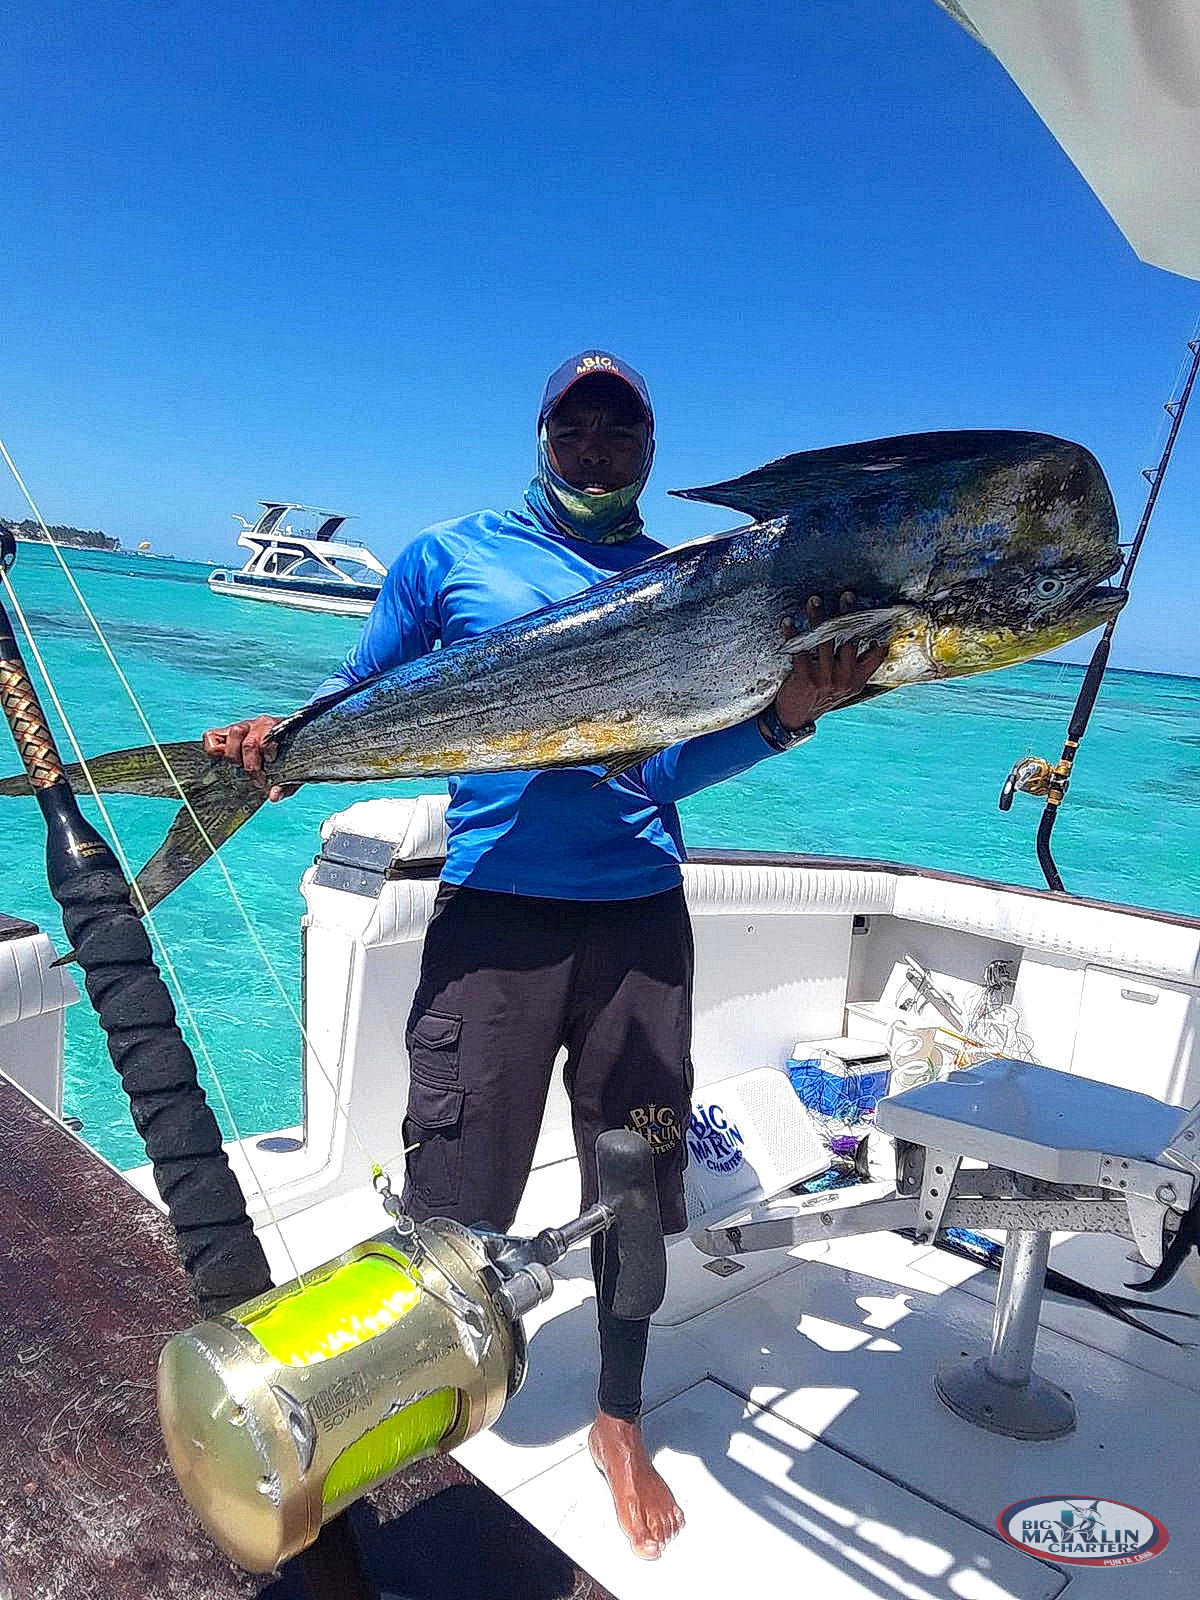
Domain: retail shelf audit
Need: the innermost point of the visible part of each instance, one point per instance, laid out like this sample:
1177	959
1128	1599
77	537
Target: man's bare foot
646	1509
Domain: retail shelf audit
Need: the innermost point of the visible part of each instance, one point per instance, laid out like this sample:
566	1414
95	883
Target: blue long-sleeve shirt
560	834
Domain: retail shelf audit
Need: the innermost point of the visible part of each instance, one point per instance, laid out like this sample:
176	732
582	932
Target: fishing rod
1033	774
215	1239
204	1201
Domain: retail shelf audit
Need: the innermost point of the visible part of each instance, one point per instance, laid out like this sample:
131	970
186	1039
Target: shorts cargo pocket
435	1107
433	1046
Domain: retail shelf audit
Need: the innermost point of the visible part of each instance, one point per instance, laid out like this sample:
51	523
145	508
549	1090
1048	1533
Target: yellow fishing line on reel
280	1413
336	1312
342	1306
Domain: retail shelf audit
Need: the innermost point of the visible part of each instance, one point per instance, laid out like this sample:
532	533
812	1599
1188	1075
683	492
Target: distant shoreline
113	549
1125	672
97	542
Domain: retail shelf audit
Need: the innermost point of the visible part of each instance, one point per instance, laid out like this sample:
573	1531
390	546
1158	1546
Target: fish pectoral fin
620	764
863	627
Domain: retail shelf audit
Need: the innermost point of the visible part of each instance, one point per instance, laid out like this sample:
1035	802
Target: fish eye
1047	588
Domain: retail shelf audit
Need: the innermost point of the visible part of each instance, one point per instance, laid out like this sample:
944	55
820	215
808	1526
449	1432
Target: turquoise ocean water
911	777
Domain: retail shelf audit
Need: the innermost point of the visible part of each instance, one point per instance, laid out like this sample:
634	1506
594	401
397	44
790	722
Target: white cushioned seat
1032	1120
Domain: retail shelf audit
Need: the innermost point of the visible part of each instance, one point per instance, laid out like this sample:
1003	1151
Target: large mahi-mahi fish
964	551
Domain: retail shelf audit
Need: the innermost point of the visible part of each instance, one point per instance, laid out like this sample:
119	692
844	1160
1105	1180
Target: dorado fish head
988	638
1042	538
970	550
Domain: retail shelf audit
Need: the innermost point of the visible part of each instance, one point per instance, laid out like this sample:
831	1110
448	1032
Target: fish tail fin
218	797
218	803
140	771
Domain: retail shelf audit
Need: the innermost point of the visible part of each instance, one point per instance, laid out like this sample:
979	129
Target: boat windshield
351	571
358	572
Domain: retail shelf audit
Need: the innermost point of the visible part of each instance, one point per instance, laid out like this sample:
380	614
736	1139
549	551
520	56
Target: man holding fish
586	681
560	919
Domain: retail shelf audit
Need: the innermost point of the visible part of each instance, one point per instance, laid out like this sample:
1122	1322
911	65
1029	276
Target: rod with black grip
1084	705
204	1201
216	1242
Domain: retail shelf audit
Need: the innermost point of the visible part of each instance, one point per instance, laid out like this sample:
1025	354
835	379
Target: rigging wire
162	952
340	1110
153	740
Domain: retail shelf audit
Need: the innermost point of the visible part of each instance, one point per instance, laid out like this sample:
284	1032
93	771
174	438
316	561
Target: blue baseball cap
592	364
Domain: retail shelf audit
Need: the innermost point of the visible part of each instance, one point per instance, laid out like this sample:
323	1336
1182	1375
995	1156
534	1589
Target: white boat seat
1034	1120
1073	1134
1052	1152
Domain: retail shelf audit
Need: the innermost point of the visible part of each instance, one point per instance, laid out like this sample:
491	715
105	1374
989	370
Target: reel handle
625	1164
626	1213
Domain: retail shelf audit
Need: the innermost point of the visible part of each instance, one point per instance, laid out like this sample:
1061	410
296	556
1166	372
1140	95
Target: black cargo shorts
505	981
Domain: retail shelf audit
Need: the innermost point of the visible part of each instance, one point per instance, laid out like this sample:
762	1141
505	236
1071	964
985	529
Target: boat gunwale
711	857
705	856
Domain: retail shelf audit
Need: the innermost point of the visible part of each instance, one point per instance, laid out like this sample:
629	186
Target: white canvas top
1117	82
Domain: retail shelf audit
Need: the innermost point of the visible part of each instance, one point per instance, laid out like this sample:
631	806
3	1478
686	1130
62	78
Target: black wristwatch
779	737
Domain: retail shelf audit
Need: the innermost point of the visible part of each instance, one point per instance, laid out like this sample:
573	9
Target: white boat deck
790	1401
790	1404
798	1425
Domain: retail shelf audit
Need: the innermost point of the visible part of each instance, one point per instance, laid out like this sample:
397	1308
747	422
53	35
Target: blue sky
329	254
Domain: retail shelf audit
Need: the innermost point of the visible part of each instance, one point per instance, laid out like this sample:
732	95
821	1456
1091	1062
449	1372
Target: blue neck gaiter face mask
597	518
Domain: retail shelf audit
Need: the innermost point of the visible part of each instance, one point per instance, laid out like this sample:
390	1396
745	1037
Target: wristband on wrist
779	737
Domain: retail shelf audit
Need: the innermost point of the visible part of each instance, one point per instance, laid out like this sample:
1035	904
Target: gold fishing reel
1032	775
278	1414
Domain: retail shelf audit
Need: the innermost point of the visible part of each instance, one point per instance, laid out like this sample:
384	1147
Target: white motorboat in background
296	561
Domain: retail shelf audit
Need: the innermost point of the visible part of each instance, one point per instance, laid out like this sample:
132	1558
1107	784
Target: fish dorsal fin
792	482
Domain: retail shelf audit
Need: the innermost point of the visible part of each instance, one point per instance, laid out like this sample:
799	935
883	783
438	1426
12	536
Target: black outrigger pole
215	1239
1035	776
